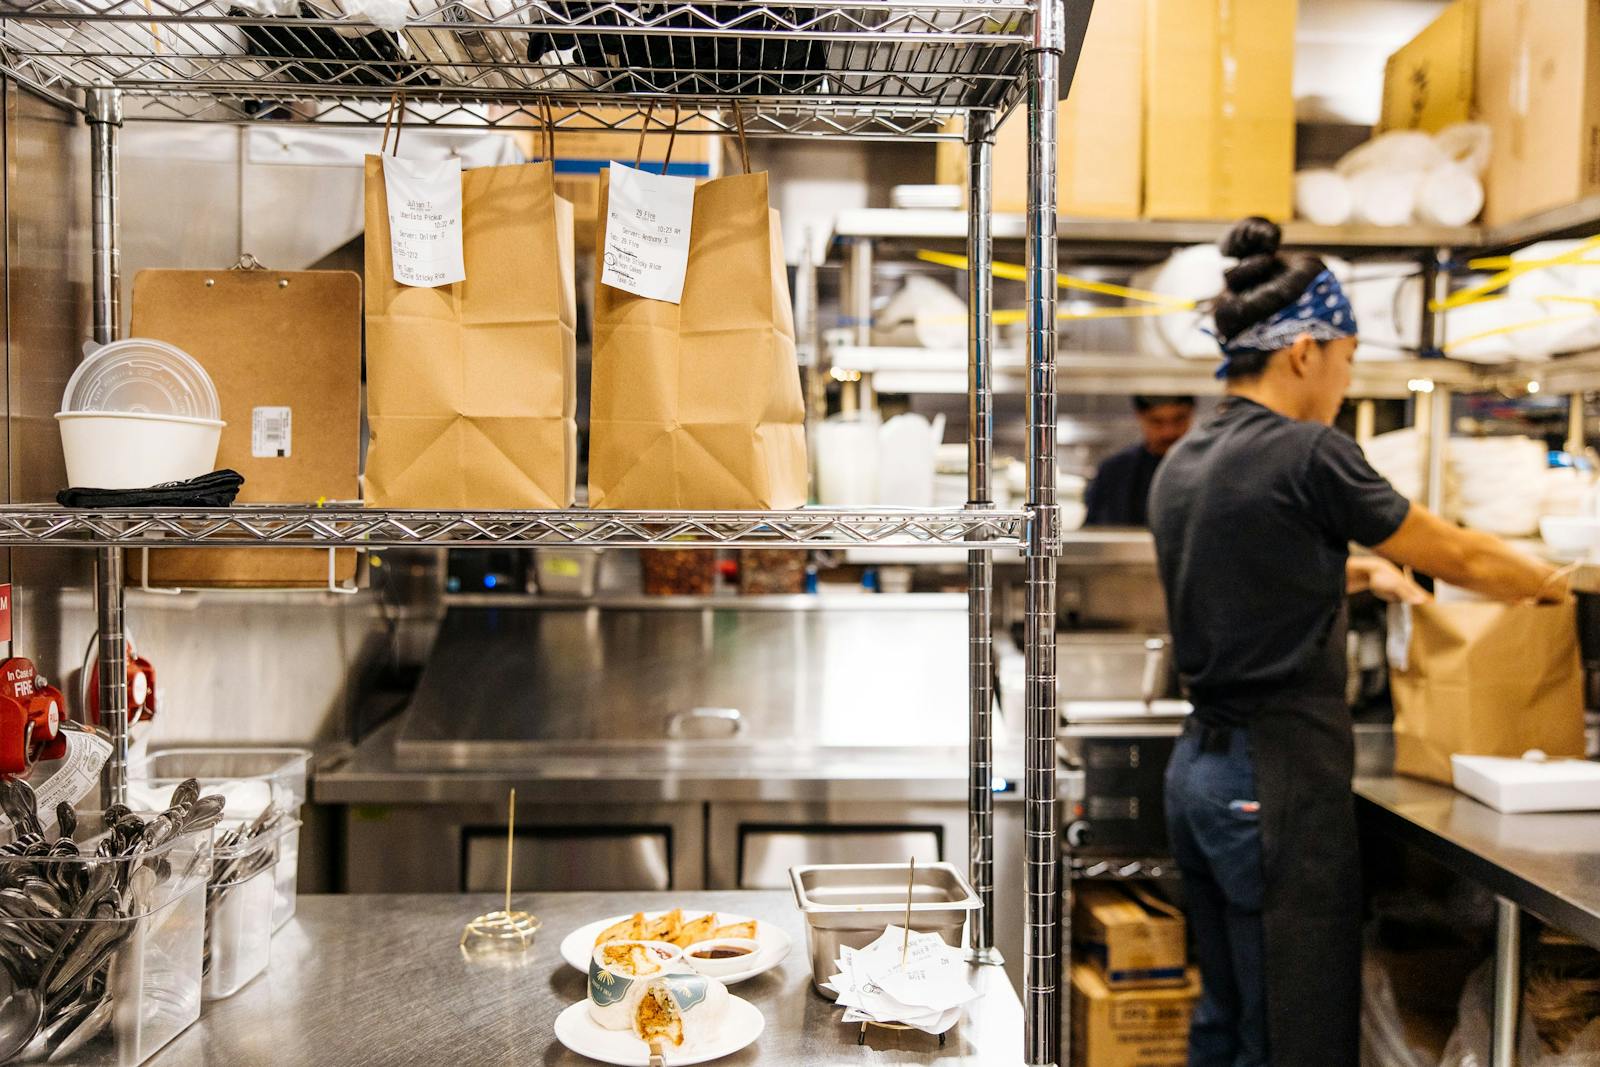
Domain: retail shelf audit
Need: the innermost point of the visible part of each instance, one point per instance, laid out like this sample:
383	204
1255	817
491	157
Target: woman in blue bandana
1254	514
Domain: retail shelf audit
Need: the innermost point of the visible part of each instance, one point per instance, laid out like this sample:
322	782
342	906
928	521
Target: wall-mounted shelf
315	527
939	371
1103	235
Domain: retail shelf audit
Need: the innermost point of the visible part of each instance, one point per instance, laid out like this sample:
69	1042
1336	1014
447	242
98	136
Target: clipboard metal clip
248	262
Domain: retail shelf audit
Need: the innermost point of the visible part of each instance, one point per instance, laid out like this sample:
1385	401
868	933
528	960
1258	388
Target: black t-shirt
1120	492
1253	515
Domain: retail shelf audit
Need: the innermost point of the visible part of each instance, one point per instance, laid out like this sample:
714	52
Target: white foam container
1525	785
133	450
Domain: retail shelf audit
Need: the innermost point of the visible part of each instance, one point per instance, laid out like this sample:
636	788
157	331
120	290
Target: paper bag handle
549	129
397	118
738	125
672	136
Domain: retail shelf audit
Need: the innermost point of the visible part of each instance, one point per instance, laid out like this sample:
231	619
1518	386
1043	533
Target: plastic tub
143	973
124	450
240	900
251	779
567	571
143	376
287	878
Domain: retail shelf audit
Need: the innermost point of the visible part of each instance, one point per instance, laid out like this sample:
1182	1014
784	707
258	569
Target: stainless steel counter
1548	865
379	980
371	774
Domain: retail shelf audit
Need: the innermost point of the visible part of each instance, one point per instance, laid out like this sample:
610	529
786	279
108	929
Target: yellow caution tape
1475	293
1017	273
1498	331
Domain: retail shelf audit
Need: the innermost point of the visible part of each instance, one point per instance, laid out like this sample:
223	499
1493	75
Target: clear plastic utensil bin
251	779
240	901
110	988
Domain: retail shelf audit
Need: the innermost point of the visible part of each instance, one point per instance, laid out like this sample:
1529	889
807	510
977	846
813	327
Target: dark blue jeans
1215	823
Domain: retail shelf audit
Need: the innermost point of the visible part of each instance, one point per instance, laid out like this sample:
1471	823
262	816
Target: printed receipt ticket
647	233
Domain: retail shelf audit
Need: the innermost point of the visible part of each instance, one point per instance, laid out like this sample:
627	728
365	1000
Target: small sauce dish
722	955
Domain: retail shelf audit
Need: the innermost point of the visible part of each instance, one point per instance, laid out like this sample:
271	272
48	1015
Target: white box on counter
1528	785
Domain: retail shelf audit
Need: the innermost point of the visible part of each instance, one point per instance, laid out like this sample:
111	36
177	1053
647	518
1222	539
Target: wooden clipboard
284	351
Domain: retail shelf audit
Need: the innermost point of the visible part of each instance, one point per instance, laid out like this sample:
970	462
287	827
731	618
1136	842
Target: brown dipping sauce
722	952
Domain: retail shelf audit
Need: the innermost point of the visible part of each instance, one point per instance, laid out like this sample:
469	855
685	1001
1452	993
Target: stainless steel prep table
380	980
1545	864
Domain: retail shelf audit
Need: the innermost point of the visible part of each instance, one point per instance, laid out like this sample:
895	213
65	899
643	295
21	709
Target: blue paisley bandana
1323	311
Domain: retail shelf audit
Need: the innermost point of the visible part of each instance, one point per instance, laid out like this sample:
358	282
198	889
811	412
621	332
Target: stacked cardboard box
1099	147
1132	990
1178	109
1538	89
1131	1027
1219	109
1428	83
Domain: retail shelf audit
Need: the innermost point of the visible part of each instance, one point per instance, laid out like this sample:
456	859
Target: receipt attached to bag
424	220
647	233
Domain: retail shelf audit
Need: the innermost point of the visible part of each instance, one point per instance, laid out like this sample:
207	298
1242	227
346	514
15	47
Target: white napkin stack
927	992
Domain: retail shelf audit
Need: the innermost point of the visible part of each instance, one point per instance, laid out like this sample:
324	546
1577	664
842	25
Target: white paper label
270	433
424	220
79	772
647	233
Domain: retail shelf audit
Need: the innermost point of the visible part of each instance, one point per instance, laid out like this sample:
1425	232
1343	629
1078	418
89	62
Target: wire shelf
377	528
884	68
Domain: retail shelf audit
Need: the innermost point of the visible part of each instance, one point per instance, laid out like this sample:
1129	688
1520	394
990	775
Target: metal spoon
21	1012
64	1021
85	1031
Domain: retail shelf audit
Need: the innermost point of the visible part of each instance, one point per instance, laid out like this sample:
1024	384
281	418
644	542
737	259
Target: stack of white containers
1496	484
256	892
138	413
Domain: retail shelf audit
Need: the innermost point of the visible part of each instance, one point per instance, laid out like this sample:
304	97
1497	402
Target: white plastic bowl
117	450
1570	535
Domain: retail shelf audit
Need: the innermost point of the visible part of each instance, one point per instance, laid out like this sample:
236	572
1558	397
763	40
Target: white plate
578	946
741	1025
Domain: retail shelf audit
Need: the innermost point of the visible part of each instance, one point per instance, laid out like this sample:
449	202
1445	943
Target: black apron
1302	747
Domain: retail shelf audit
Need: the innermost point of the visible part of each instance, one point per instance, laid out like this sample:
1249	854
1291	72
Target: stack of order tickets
927	991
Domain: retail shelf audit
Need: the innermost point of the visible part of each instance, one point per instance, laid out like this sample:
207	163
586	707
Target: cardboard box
1219	109
1130	1028
1136	938
1428	83
582	154
1099	139
1538	86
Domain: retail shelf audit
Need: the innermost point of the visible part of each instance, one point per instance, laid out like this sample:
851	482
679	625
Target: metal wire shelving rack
882	69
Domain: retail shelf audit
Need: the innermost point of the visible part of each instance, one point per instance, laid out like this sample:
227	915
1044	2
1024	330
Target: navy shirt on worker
1253	514
1120	492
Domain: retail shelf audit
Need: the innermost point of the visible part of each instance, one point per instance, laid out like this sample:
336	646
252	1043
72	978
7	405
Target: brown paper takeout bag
472	387
1487	679
698	404
269	339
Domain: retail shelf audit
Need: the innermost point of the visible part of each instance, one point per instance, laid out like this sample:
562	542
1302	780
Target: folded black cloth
214	490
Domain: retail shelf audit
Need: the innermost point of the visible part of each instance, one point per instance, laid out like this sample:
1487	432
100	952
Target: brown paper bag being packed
1486	679
698	404
472	387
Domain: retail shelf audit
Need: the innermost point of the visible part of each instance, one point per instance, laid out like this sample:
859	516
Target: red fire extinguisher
141	689
31	714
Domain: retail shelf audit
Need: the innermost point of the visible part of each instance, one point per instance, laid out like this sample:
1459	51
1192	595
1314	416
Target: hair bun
1253	271
1253	236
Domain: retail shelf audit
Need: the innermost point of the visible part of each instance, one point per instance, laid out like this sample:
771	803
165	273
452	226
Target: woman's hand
1384	580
